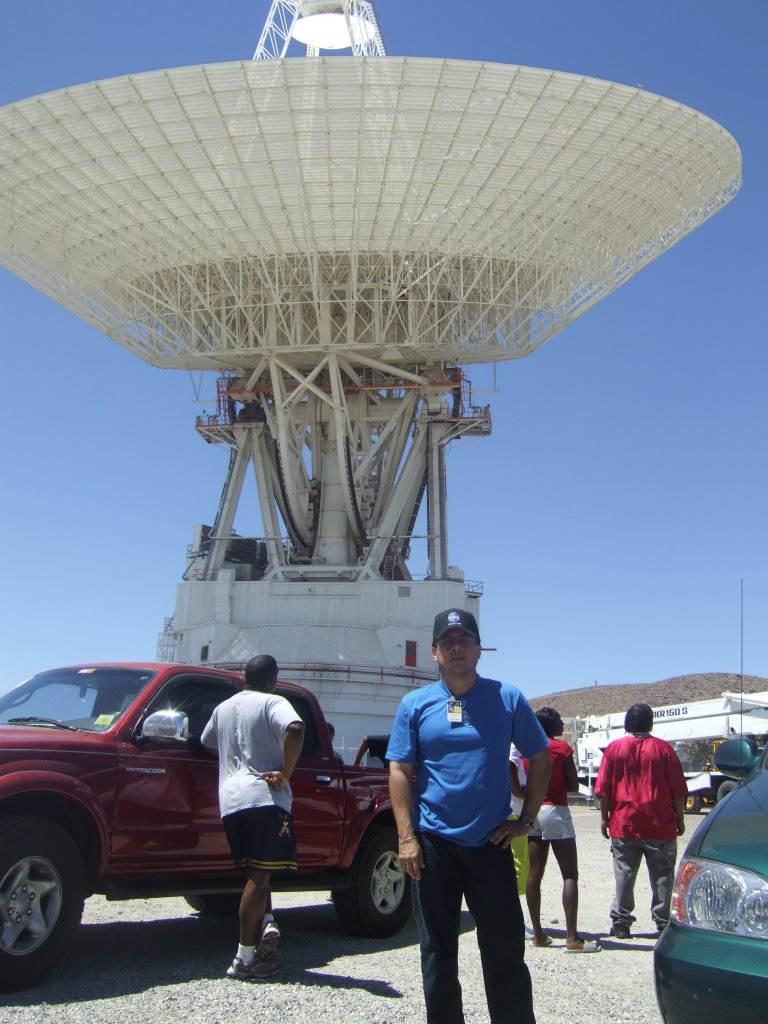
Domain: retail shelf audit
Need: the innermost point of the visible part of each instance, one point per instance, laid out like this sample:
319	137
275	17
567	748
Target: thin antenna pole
741	670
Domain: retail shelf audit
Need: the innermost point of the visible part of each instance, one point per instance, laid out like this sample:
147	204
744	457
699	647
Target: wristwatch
527	820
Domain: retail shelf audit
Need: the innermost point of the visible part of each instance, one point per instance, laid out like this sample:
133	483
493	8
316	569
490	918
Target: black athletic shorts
261	838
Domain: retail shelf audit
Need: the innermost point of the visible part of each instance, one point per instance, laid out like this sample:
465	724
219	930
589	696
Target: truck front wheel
42	886
378	900
693	803
725	788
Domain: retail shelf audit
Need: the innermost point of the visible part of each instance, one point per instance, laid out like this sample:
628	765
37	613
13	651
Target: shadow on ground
637	944
120	958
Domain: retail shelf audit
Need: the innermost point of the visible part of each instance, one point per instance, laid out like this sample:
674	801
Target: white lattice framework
342	456
435	210
301	223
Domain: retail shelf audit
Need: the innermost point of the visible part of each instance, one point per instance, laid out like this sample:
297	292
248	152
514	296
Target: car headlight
721	898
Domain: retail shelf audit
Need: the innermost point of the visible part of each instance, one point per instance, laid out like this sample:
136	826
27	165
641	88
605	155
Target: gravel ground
155	960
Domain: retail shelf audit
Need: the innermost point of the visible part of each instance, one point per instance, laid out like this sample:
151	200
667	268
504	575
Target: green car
711	963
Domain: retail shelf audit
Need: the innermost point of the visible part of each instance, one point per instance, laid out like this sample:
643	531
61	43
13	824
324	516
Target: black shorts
261	838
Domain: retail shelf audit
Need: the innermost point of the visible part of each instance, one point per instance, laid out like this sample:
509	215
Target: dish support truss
343	457
283	15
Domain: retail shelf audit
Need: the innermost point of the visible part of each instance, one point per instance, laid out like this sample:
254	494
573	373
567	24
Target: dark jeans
485	877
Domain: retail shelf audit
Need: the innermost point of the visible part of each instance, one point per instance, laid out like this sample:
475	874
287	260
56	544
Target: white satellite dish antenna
336	271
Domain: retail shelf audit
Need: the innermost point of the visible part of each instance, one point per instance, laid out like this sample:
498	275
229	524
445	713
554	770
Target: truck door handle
323	780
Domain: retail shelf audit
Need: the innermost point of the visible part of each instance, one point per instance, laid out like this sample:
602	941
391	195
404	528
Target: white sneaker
255	969
270	940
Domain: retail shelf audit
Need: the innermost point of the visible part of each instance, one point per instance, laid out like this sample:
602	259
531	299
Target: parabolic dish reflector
433	210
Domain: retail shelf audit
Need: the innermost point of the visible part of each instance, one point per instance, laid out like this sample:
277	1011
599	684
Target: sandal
583	946
547	941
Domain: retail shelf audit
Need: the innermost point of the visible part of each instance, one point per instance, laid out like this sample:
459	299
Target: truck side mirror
165	727
737	758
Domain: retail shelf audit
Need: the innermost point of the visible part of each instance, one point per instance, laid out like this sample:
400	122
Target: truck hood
736	831
27	739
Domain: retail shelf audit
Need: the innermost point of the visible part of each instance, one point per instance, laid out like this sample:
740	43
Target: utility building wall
363	623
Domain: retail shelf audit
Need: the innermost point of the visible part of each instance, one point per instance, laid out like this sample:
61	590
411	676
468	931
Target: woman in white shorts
554	827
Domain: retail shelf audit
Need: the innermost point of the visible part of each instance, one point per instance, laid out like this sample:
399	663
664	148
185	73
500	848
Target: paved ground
156	961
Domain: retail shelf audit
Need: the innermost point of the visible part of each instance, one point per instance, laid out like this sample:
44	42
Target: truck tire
378	900
693	803
215	904
42	888
725	788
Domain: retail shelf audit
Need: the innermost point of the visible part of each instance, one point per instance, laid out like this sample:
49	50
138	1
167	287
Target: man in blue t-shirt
450	788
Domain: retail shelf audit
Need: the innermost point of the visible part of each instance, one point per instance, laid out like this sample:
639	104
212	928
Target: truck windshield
89	699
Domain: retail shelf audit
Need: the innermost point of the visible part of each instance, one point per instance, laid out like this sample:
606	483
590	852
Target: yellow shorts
519	848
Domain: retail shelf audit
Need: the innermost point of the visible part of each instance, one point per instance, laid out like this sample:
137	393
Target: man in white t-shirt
258	737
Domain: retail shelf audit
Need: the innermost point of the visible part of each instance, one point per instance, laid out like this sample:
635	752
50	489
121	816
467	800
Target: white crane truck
693	728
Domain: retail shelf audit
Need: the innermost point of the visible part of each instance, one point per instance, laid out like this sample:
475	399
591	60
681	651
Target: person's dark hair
550	721
260	672
639	718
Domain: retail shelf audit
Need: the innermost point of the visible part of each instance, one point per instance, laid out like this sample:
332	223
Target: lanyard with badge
455	711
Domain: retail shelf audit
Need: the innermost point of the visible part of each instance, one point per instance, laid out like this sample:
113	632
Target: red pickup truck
106	788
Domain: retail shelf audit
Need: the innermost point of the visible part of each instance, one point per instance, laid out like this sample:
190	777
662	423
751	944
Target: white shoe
270	939
255	969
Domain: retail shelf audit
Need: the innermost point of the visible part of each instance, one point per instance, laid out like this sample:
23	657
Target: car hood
15	739
736	831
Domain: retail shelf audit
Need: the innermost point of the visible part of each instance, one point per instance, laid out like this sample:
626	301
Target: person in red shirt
642	794
554	827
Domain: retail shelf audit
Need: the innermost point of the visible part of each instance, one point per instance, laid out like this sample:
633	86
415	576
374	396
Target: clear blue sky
623	494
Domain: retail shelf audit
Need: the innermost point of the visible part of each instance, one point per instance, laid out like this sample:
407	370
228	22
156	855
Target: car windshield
87	699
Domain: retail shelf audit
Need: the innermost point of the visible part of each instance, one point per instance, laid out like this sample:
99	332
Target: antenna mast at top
321	25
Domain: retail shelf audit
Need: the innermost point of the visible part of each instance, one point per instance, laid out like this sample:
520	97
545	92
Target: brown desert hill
604	700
